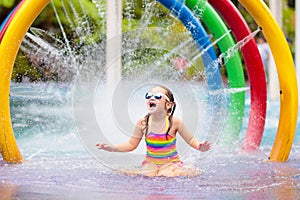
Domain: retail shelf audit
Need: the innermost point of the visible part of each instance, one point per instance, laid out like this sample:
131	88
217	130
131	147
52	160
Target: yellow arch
283	59
286	74
8	50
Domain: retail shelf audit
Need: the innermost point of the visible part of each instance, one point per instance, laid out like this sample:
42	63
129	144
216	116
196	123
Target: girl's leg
187	171
149	169
168	170
173	170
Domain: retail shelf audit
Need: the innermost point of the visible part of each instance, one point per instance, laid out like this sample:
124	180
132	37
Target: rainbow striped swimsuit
161	150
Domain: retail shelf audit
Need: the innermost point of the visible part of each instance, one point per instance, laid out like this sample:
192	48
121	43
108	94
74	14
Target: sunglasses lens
148	95
158	96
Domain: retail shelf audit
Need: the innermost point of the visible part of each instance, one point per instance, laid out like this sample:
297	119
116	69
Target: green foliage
7	3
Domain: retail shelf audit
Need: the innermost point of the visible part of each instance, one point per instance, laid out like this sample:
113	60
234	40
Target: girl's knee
167	170
150	169
173	170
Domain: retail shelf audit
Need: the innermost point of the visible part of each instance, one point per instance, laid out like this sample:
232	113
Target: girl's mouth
152	105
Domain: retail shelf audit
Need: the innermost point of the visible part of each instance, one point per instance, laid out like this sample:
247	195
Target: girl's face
158	101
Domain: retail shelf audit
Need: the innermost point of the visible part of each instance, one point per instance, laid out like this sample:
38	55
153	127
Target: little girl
160	128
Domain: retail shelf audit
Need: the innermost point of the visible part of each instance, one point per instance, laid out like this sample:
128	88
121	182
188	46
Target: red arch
256	74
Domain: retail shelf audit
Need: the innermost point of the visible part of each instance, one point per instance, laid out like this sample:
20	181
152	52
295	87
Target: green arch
234	66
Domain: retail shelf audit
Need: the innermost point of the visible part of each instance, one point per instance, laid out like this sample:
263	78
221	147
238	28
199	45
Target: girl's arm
130	145
189	138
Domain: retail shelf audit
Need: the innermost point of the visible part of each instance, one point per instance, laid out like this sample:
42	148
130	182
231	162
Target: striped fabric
161	150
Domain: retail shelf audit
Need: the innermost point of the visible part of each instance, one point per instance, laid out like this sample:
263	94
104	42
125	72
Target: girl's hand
205	146
106	147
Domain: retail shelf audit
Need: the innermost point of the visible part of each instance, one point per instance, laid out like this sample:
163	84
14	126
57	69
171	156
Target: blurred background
28	69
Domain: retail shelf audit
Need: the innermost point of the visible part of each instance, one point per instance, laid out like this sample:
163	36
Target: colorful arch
234	67
8	19
255	69
289	97
8	50
286	75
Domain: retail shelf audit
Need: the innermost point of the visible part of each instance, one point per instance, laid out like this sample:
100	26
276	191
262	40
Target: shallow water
57	166
79	176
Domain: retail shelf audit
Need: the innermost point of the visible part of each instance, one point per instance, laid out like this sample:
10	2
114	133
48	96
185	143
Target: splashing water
224	57
67	43
210	46
200	7
231	51
90	68
229	90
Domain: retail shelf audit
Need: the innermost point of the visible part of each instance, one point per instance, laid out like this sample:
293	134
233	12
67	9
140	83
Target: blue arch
6	19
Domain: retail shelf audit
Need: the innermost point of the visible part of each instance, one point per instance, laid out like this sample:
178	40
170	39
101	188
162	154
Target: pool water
57	166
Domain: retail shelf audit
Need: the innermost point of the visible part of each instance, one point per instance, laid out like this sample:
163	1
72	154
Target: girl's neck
158	117
158	124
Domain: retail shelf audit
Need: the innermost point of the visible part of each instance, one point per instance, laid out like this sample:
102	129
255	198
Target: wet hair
170	111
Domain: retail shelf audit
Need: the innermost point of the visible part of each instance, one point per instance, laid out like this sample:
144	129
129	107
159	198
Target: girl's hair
170	95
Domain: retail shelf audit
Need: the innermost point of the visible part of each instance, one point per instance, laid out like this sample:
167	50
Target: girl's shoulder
176	121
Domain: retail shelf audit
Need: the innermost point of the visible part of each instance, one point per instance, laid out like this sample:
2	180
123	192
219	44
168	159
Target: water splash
238	46
48	36
66	40
195	57
228	90
66	55
32	42
167	56
129	10
224	57
77	17
149	11
200	7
